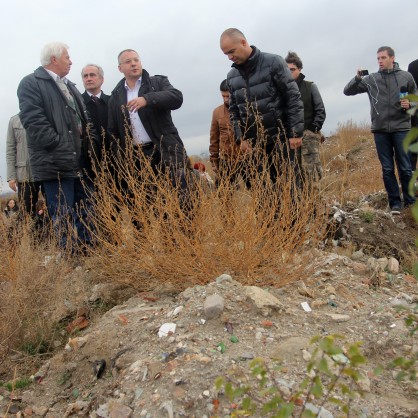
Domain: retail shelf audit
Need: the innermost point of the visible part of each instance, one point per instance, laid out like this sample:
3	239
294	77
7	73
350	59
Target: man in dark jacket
94	98
390	121
140	126
265	104
314	115
60	141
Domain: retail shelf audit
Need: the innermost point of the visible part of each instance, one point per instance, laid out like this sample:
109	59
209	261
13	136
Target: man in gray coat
391	122
62	146
19	175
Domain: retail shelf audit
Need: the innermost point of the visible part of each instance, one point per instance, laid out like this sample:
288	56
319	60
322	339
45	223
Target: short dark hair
293	58
125	50
389	50
224	86
233	33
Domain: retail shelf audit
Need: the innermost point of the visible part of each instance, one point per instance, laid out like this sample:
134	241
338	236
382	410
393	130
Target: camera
364	72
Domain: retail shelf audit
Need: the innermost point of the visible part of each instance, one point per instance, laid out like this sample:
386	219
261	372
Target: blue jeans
69	206
390	149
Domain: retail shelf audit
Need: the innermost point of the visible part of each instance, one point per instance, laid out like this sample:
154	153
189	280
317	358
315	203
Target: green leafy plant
332	376
367	217
18	384
406	366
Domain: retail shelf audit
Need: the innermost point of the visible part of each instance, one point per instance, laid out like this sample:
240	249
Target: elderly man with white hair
61	147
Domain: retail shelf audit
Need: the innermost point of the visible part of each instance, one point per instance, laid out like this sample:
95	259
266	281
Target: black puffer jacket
264	87
55	150
161	99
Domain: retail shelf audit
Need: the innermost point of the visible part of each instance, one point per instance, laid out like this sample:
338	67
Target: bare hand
295	143
13	185
135	104
405	103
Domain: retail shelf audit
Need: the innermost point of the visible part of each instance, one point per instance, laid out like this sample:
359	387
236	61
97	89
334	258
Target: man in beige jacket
19	176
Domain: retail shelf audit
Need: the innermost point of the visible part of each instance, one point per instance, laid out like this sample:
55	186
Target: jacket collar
40	72
251	61
120	87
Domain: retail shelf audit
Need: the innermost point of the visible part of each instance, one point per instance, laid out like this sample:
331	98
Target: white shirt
97	95
140	135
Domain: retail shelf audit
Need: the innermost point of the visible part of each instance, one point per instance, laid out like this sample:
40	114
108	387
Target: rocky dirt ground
355	289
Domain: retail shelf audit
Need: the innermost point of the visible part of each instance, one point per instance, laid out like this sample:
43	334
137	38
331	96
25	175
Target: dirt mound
147	375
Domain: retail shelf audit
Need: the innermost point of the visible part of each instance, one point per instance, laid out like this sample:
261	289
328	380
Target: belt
148	145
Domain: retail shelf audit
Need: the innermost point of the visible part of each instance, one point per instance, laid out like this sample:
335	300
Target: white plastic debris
167	329
306	307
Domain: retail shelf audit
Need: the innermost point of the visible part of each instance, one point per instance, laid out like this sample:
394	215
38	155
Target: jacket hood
392	70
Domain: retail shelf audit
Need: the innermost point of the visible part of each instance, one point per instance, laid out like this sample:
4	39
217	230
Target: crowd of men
57	140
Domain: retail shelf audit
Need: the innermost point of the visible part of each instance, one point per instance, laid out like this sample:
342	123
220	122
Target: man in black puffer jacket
265	104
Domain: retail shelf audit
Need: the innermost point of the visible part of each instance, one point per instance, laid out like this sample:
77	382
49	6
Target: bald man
264	98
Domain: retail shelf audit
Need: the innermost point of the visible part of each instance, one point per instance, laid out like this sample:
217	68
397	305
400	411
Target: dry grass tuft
30	293
351	166
149	241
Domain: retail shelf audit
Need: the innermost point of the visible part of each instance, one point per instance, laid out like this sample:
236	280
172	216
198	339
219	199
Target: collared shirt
140	135
55	76
98	95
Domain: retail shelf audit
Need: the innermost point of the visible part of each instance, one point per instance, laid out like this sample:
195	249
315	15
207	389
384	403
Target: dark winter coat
313	106
161	99
98	114
383	89
56	150
263	88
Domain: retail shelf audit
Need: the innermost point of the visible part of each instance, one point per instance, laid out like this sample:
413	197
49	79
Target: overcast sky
180	39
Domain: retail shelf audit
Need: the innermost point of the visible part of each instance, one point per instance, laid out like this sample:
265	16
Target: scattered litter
306	307
167	329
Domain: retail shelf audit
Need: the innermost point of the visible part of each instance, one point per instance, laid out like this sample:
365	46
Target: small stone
338	317
364	383
213	306
206	394
393	265
223	278
306	355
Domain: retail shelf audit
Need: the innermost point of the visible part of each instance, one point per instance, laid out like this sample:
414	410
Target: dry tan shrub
30	292
152	240
351	165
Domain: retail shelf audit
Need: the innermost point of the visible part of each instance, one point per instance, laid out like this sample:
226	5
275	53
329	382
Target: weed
367	217
332	376
18	384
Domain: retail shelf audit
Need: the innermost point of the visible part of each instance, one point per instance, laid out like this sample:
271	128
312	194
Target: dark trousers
27	193
69	206
389	148
232	170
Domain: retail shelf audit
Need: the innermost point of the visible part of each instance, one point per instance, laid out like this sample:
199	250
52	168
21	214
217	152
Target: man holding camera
387	90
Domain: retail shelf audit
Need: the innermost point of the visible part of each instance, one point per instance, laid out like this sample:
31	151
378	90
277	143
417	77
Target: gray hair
99	69
53	49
